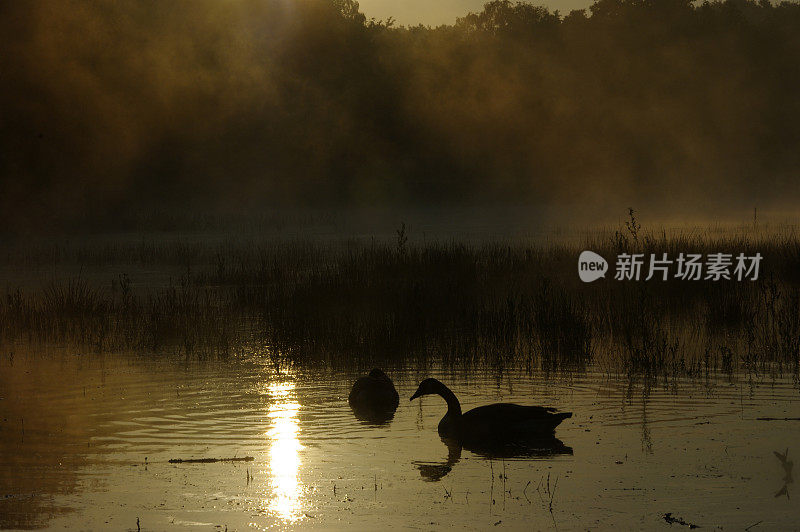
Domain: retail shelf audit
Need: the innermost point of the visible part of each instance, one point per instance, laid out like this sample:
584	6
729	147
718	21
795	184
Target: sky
436	12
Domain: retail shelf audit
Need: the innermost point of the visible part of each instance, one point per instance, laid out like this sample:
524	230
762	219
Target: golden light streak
286	490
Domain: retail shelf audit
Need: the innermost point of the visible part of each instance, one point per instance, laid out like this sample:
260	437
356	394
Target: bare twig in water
504	484
754	524
778	419
210	460
491	485
552	493
539	490
787	464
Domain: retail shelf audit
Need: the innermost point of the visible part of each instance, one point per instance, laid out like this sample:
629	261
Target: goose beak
416	394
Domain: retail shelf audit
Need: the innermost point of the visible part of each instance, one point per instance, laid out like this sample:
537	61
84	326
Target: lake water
85	443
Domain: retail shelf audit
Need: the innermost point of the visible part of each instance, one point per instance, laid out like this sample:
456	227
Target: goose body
374	393
496	422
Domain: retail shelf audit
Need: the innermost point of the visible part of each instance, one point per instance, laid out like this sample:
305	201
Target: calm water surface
85	442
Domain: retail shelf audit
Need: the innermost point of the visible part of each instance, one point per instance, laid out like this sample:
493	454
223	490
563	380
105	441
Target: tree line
229	105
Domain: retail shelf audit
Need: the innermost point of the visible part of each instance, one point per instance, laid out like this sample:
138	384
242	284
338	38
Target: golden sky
435	12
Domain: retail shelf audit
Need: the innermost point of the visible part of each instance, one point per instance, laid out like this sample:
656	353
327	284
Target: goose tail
558	417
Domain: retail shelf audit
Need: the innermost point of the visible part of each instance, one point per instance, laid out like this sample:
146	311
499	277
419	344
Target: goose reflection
373	418
434	471
536	448
546	446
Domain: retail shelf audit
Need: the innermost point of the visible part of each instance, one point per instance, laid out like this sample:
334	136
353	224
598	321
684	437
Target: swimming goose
374	395
497	422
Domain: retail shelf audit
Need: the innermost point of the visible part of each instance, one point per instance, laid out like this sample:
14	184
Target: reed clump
502	305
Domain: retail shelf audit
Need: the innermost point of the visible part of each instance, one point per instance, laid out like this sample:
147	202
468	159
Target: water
85	442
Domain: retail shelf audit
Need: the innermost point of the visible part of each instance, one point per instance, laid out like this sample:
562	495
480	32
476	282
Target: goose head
379	375
429	387
434	387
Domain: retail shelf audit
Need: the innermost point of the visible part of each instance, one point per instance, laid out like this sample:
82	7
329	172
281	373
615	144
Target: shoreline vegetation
494	305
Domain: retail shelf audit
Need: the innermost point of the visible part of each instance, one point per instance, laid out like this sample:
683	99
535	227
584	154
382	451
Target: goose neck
453	406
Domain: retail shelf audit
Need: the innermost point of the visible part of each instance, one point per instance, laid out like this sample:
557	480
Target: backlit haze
434	13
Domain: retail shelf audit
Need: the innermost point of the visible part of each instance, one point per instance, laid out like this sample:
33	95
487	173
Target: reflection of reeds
500	305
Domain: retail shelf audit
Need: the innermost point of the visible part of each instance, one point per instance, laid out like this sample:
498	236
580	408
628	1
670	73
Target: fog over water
117	111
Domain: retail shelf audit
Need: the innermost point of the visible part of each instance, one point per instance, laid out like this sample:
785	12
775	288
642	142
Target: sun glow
286	488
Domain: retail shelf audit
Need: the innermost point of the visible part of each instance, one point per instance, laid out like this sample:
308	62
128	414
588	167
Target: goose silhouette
374	397
491	423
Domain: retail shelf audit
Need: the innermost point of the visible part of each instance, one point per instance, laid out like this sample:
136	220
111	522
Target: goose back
504	421
375	392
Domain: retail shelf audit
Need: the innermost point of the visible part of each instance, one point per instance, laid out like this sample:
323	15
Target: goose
491	423
374	397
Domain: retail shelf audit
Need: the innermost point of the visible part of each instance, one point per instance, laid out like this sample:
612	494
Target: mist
114	109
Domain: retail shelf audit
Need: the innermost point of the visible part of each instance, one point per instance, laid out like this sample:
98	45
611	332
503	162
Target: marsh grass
498	305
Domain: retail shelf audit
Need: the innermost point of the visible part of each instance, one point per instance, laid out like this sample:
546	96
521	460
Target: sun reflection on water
285	499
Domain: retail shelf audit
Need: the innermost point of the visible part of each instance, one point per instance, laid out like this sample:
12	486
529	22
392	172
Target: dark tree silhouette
114	107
